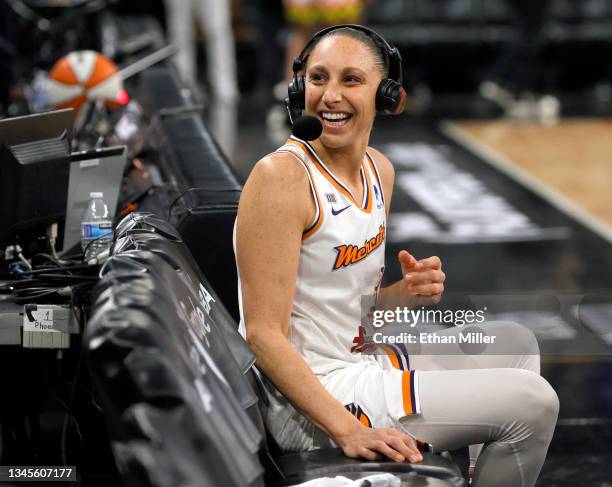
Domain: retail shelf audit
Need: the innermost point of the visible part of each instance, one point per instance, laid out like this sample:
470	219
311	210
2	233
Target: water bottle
96	226
40	92
129	125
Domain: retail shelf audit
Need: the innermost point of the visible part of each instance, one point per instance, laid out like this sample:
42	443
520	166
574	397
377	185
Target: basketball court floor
521	216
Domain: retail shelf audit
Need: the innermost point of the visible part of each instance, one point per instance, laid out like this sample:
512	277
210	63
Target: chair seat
435	470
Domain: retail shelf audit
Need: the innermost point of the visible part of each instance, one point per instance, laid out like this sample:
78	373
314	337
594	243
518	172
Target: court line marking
510	169
558	359
584	421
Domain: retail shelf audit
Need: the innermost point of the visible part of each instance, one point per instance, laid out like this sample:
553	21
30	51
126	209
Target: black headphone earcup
390	97
296	101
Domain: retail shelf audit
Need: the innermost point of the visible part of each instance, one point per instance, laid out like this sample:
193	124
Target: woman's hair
374	46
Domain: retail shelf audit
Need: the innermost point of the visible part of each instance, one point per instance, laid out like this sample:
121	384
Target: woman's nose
333	93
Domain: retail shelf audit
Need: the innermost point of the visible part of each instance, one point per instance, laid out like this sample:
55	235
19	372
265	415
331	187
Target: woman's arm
422	280
275	208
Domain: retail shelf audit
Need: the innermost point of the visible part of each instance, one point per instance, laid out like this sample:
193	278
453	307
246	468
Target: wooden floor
573	157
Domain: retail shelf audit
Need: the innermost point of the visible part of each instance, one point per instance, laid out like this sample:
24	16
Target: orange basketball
81	76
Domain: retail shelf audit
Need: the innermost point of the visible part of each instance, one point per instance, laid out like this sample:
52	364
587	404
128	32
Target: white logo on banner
456	207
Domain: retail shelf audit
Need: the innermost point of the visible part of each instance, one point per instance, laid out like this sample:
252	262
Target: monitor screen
34	169
33	188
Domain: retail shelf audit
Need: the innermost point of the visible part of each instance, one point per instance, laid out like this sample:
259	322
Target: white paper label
43	320
89	163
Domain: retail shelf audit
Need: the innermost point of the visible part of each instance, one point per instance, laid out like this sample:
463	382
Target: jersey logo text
351	254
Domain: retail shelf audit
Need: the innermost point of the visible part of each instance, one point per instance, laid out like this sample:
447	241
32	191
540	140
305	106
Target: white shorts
379	393
359	387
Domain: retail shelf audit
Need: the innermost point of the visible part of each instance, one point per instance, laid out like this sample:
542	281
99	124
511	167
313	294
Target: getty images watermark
422	316
559	324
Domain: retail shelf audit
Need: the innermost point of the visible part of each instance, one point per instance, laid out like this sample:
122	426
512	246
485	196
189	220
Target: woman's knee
545	399
537	403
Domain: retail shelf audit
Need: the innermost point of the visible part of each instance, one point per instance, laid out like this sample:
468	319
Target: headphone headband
390	95
392	55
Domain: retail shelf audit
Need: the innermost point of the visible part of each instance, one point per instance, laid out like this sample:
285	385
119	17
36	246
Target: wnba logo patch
379	203
351	254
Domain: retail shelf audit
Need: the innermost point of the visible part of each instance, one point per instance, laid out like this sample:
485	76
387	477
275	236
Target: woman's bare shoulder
278	168
383	164
277	187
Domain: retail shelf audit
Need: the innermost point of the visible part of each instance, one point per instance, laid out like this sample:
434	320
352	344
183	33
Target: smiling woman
341	83
310	240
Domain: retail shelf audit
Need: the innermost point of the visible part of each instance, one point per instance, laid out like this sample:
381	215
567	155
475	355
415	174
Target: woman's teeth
335	119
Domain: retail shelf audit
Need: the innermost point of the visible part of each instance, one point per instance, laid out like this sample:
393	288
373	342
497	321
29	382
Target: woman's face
341	82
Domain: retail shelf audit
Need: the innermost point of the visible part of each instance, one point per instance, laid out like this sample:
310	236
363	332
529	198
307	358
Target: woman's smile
335	120
341	81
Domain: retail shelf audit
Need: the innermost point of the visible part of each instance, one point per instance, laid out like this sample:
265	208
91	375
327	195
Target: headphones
390	95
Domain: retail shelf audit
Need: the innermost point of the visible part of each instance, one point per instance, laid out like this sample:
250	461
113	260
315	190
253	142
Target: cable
92	241
82	388
47	257
73	257
53	284
43	295
68	277
67	409
77	267
73	389
52	236
22	258
100	258
68	417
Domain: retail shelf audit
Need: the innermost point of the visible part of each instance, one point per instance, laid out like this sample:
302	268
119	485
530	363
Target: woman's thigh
466	407
507	345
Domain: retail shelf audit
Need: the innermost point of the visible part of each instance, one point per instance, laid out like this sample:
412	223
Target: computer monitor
38	126
34	169
33	187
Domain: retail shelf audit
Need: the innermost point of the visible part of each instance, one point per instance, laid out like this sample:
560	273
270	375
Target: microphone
307	127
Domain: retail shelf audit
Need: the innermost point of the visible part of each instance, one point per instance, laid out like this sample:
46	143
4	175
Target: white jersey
341	259
340	269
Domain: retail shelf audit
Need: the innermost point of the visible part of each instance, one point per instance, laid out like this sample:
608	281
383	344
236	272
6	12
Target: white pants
214	18
492	398
496	398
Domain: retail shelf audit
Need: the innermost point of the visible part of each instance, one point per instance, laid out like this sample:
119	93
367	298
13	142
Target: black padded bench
179	326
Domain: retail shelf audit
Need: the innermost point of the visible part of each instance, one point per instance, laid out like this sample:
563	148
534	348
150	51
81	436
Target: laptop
93	170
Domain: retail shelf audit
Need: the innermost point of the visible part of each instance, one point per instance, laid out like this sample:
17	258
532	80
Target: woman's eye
316	77
351	79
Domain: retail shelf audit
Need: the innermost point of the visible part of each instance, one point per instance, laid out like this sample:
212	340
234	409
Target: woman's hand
422	283
371	443
422	277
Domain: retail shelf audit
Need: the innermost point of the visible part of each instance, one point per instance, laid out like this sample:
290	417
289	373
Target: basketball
81	76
